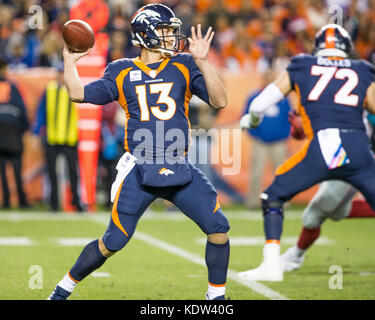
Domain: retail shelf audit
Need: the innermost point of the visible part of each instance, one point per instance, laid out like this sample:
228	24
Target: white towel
331	147
123	167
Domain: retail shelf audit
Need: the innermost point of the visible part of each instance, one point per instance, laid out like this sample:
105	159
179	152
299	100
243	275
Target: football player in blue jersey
154	90
333	92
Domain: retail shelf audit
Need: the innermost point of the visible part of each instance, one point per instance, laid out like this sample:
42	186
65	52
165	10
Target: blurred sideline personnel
268	140
111	148
57	122
334	200
202	116
13	124
154	90
333	91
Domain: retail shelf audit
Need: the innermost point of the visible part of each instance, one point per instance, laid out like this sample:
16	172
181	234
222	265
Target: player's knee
218	238
312	222
313	216
338	216
334	218
216	223
272	206
104	250
342	213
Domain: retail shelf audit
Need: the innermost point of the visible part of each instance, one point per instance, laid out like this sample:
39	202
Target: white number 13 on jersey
163	89
343	96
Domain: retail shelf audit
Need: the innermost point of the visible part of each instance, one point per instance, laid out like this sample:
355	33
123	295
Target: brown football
78	35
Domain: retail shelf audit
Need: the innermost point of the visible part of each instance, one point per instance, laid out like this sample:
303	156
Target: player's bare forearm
199	47
71	78
73	83
215	87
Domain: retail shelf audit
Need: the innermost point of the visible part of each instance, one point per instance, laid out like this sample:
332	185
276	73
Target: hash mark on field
15	241
366	273
71	242
100	274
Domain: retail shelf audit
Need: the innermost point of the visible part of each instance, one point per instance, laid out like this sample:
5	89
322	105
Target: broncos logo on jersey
166	172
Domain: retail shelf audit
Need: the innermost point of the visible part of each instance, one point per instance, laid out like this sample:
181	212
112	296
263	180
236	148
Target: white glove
245	122
250	121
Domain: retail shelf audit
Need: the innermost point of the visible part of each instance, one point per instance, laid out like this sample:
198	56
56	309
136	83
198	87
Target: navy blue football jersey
154	97
331	92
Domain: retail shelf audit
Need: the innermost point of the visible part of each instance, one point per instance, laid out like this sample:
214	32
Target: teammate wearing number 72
333	92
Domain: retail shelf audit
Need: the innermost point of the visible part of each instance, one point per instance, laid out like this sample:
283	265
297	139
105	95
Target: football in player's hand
78	35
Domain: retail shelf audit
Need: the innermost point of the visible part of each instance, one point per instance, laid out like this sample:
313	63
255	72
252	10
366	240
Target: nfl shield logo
135	75
152	73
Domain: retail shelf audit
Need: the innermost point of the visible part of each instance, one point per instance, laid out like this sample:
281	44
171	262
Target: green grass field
165	258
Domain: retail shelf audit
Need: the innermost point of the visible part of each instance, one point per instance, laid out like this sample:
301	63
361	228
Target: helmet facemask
169	43
153	36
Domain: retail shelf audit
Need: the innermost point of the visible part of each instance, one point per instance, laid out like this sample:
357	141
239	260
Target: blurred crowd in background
249	33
